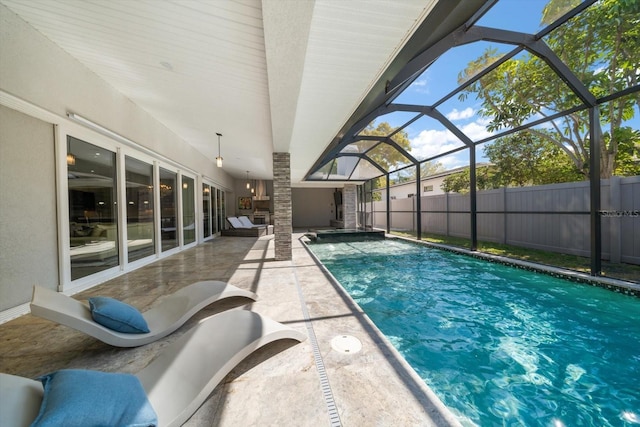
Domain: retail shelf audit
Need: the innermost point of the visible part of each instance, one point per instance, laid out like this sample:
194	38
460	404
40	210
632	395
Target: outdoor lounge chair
162	319
243	227
177	381
243	222
246	222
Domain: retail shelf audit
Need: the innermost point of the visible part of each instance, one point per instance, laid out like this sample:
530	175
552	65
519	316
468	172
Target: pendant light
248	184
219	158
71	159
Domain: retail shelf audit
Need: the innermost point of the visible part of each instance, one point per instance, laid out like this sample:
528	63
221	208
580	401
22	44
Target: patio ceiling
271	75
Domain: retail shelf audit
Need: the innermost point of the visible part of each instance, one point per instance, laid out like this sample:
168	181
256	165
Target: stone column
349	206
282	205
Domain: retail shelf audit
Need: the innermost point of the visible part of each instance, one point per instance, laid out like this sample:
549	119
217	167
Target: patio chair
242	222
175	383
234	222
246	222
161	320
247	229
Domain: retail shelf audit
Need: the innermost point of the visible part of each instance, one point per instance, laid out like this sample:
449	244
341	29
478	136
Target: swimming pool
499	345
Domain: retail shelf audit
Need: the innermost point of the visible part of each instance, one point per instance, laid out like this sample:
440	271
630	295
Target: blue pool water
499	345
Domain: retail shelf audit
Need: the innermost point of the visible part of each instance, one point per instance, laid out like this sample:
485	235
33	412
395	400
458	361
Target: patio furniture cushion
75	397
235	222
117	315
246	222
177	381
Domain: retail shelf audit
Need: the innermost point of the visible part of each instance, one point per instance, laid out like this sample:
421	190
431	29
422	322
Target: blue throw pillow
75	397
118	316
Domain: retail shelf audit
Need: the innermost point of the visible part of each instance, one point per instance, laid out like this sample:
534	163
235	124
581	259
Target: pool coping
446	413
615	285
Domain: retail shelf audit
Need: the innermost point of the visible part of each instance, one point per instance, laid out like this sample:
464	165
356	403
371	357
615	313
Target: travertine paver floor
281	384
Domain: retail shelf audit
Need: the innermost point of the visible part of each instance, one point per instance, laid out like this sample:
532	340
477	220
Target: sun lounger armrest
179	380
20	400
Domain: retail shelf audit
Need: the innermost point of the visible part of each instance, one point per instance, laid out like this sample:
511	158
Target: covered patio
284	383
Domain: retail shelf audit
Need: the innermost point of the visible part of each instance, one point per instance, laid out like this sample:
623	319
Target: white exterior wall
402	191
41	80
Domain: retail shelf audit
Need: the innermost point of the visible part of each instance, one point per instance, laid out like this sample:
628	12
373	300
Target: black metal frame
418	63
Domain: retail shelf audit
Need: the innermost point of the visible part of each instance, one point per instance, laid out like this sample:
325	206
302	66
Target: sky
428	137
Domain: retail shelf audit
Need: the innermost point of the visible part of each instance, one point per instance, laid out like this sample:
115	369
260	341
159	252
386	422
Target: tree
527	158
460	182
517	160
602	47
384	154
431	168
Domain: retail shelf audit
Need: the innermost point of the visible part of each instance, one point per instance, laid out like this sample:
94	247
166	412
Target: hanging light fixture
248	185
219	158
253	189
71	159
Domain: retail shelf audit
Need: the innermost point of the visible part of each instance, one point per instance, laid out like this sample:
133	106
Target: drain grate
334	417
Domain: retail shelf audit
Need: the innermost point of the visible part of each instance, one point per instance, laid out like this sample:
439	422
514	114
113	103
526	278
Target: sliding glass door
206	210
93	225
168	209
188	210
140	231
159	208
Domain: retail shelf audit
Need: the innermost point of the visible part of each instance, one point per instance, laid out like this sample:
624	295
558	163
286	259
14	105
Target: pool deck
306	384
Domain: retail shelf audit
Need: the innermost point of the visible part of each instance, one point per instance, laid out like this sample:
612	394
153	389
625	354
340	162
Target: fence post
615	230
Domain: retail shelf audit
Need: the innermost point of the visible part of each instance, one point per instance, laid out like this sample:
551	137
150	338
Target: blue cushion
118	316
75	397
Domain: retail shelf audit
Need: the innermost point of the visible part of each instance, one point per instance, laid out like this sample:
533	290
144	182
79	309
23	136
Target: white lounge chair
242	222
164	318
180	378
246	222
246	228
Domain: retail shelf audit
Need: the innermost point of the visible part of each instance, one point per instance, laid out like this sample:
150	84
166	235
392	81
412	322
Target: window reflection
215	228
206	210
168	205
140	235
188	210
93	230
220	210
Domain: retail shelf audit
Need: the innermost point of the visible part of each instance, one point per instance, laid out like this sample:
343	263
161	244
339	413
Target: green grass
628	272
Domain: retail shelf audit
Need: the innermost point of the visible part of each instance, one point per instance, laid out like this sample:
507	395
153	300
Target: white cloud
420	86
454	161
432	142
460	115
476	130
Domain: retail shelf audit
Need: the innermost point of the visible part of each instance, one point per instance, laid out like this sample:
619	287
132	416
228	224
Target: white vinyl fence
548	217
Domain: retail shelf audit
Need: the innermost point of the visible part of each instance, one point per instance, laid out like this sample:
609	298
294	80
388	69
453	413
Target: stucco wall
49	81
312	207
28	242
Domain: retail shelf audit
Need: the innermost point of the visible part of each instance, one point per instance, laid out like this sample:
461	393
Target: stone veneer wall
282	205
349	206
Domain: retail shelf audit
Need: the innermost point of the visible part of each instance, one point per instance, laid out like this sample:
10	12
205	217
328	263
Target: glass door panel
219	208
93	222
140	233
206	210
168	211
188	210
